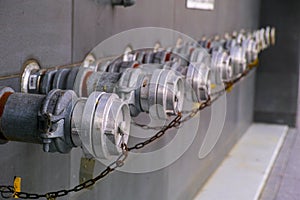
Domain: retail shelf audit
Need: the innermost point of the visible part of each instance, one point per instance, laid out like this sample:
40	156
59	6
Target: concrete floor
284	180
244	172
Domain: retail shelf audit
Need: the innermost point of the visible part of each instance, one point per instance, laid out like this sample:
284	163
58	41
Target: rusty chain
9	191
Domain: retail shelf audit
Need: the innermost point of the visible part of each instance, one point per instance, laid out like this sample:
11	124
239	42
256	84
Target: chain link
174	123
147	127
9	191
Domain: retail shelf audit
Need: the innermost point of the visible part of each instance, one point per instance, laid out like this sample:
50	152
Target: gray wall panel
34	29
40	172
94	22
155	13
40	30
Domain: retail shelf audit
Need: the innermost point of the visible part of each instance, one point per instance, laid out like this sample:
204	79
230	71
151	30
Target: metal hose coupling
229	59
60	121
195	71
141	89
162	89
184	52
238	59
251	49
101	124
240	37
221	68
198	78
41	81
195	74
259	36
121	78
237	54
269	36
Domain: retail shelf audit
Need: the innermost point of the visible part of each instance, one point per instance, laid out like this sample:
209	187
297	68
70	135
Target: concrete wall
278	74
60	32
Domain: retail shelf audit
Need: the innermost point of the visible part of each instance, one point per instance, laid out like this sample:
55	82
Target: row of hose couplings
91	105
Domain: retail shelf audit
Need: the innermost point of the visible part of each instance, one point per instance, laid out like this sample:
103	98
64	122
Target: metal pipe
164	85
60	121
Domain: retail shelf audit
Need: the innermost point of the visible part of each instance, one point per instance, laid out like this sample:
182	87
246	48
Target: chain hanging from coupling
9	191
174	123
